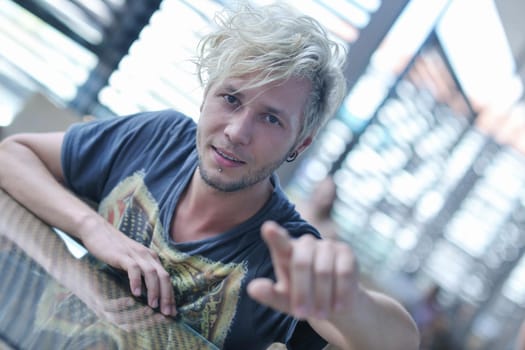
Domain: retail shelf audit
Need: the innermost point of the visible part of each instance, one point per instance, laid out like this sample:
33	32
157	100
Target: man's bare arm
318	281
21	229
31	172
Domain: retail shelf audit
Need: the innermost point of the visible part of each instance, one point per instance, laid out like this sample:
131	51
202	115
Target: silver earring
291	157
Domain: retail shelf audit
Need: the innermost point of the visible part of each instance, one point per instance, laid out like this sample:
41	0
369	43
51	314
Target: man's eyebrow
235	91
275	111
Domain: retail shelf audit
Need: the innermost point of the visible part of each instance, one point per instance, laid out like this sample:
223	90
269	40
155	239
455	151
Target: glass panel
69	302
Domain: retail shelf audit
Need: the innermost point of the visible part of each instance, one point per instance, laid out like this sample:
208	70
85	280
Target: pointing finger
276	237
279	244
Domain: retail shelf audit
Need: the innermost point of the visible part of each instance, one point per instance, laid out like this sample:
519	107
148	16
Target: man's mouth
227	156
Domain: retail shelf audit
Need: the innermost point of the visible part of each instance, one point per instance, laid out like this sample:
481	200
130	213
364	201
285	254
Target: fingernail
136	292
154	303
166	310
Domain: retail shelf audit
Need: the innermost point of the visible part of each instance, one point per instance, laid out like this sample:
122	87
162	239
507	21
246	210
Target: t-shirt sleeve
303	337
94	151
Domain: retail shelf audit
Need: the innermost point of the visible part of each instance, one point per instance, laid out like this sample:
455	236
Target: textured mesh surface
50	300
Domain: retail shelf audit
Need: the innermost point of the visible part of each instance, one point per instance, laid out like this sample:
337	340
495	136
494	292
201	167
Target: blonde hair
274	43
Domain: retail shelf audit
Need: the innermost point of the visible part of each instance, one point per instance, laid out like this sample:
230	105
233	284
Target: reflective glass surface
49	299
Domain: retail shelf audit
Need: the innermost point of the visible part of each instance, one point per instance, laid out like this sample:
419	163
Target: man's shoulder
154	124
285	213
162	116
150	119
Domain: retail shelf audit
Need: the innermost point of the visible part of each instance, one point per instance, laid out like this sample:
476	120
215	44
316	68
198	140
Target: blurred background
427	151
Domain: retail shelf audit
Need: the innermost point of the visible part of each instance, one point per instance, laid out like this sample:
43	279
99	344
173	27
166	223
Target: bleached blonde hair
274	43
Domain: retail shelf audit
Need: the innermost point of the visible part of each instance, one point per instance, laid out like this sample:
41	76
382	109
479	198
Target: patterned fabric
207	292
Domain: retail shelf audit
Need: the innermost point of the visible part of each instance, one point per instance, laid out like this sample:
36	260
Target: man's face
243	137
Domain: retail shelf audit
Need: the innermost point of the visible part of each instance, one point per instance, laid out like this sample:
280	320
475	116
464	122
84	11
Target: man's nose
240	127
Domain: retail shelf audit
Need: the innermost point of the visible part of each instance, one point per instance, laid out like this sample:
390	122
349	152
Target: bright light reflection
448	265
513	287
479	51
7	114
470	233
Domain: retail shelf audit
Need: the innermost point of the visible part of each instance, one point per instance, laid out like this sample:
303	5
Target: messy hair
274	43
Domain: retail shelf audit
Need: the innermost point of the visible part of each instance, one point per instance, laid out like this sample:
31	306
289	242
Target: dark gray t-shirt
136	167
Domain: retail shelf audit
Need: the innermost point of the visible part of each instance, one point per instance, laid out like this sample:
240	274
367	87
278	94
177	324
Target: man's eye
272	119
230	99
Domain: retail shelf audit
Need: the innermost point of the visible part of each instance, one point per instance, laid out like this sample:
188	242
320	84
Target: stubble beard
248	180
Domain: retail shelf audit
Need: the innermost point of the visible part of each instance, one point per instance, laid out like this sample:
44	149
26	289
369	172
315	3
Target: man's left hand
315	278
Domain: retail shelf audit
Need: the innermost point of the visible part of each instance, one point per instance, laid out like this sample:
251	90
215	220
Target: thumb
263	291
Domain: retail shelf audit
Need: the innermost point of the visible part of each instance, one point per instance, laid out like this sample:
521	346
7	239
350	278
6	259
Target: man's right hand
33	175
140	263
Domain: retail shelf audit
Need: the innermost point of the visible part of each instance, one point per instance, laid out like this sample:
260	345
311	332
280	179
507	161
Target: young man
196	212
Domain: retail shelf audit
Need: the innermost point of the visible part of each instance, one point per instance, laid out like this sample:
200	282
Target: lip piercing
220	170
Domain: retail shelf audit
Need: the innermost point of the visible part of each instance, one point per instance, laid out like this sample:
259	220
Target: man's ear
304	144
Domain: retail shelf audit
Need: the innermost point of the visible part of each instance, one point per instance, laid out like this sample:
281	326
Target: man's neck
203	211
